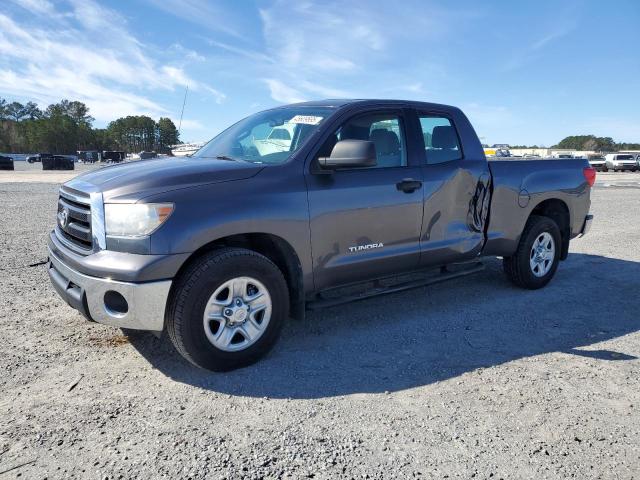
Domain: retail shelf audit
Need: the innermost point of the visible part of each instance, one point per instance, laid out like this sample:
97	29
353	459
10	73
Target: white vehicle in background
278	140
563	155
598	163
186	149
620	161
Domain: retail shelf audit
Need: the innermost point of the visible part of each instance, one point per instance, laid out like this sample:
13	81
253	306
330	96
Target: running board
378	289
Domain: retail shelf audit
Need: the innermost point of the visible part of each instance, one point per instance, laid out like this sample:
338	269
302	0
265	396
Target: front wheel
537	256
227	309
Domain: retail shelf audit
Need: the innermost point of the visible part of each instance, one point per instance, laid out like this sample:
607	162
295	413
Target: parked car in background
58	162
38	157
6	163
144	155
598	163
496	152
503	152
220	248
621	161
89	156
113	156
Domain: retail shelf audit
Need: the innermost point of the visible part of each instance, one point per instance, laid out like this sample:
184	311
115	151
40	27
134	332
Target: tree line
590	142
67	127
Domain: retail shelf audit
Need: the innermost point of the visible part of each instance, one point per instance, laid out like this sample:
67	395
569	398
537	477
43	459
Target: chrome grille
74	220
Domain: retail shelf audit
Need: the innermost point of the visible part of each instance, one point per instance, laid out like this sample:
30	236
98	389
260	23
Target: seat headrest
354	132
444	137
386	141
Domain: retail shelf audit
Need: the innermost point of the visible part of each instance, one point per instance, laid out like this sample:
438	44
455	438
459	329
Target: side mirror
350	154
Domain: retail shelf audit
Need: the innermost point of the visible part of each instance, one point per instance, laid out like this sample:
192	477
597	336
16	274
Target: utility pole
182	112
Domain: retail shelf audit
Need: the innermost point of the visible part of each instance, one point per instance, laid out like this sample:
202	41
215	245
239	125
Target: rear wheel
537	256
227	309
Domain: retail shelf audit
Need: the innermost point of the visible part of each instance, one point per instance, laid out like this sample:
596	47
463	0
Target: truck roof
341	102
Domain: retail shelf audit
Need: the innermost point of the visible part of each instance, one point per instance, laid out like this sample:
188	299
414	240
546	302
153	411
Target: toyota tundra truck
368	197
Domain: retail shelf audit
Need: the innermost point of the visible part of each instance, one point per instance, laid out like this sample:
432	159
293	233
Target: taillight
589	175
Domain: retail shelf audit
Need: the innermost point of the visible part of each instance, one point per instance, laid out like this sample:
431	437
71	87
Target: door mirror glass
350	154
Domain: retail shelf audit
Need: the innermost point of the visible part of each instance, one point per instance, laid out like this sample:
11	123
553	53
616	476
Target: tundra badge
359	248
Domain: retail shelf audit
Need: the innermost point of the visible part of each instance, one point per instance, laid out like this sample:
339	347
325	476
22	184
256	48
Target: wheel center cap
240	315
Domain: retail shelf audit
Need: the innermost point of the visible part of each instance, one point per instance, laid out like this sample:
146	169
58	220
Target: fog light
115	304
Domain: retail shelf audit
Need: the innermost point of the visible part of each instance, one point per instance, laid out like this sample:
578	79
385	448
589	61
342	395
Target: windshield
268	137
625	157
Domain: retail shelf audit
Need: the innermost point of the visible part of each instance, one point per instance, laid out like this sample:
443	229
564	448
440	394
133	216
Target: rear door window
440	137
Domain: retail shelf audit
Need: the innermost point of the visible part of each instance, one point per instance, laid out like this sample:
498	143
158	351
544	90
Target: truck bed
525	184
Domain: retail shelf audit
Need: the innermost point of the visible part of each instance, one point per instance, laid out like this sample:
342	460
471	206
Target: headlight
135	219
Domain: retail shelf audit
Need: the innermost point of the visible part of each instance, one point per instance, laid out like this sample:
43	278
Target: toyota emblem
63	217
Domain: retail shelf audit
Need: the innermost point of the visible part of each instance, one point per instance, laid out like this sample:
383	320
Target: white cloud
187	53
416	87
530	53
326	92
330	48
283	93
251	54
37	6
200	12
313	46
89	55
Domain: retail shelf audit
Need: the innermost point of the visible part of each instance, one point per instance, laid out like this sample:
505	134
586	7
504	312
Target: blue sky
524	72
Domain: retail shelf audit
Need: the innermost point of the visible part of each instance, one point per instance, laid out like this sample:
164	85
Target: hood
130	182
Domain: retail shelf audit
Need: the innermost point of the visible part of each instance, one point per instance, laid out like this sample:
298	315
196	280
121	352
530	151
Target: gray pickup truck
305	206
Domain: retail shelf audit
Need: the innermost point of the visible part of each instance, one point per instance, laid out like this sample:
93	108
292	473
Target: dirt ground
468	379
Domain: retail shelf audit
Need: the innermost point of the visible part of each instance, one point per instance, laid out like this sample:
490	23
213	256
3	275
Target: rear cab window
441	140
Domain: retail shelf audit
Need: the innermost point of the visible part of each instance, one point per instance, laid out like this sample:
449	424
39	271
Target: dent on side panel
453	225
479	204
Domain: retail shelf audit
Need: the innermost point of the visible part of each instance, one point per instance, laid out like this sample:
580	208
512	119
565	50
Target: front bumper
145	302
628	166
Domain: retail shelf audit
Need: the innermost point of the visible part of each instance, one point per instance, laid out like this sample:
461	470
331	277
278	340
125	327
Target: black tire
194	287
518	268
605	169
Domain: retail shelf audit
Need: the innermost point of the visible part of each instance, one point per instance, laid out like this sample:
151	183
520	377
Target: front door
366	222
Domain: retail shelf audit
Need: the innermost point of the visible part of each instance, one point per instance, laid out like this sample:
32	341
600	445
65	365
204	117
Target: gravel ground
467	379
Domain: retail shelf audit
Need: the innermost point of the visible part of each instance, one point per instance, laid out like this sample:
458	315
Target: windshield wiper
226	157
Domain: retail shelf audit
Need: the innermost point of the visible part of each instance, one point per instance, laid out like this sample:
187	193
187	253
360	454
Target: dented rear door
456	193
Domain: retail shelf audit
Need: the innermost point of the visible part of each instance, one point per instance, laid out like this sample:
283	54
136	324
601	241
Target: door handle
408	185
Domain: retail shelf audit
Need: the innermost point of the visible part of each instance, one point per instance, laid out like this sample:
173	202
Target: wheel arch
275	248
559	212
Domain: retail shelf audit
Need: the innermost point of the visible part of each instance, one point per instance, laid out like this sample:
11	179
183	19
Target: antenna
183	104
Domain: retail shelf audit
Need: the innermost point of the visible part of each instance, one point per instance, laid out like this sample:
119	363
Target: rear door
456	193
366	222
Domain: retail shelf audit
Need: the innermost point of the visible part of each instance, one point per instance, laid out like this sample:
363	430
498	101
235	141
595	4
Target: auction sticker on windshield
306	119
